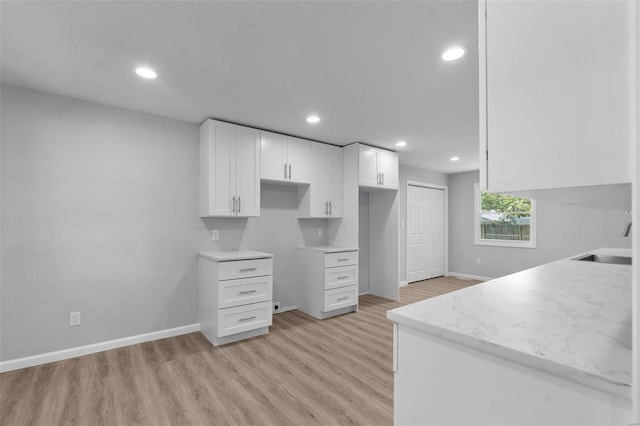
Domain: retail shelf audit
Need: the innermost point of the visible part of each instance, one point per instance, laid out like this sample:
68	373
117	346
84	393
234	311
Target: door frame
446	223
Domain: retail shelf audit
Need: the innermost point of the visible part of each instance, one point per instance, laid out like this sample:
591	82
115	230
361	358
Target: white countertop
225	256
327	249
570	318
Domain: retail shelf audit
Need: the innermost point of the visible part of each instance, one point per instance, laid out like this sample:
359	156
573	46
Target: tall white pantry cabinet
229	170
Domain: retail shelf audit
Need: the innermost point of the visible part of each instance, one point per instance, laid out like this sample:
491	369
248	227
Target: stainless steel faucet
626	230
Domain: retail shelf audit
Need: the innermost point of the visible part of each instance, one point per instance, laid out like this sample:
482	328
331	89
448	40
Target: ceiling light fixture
146	72
454	158
313	119
401	143
453	53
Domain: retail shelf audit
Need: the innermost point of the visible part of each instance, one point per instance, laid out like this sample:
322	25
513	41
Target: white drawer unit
327	281
235	297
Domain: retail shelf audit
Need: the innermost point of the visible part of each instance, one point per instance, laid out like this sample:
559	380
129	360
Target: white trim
406	228
501	243
30	361
363	293
286	309
403	283
468	276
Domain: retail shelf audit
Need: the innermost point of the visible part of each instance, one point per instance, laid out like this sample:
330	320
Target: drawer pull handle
344	259
247	319
248	269
247	292
344	277
343	298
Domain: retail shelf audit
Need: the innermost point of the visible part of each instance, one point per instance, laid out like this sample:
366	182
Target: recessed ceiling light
146	72
454	159
401	143
453	53
313	119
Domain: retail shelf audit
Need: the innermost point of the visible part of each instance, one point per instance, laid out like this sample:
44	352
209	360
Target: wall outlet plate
320	233
215	234
276	307
74	319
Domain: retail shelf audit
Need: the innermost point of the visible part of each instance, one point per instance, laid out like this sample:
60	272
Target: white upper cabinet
555	94
229	170
378	168
285	158
323	197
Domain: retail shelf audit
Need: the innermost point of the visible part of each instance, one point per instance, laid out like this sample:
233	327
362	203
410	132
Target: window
504	220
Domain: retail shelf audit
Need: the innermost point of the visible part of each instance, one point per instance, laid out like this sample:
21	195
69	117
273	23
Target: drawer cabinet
235	297
327	281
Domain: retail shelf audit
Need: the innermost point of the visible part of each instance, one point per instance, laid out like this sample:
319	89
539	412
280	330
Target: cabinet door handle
330	209
234	205
248	269
289	171
382	178
239	205
344	277
344	259
343	298
326	208
285	170
247	291
247	319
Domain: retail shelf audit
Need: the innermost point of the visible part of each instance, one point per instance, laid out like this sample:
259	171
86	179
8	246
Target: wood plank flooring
304	372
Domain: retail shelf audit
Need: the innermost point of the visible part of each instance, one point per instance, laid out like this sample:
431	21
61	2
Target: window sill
506	243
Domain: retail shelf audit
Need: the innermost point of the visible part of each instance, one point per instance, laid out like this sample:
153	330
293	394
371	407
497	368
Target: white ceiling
371	70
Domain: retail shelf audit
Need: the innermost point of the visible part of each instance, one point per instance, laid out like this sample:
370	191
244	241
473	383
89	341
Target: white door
319	180
222	183
273	156
298	160
368	166
389	169
425	233
248	171
335	192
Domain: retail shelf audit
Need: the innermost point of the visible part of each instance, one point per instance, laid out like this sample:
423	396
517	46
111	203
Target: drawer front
244	291
244	268
340	276
340	298
340	259
243	318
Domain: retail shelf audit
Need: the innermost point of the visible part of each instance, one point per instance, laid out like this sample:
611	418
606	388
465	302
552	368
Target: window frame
501	243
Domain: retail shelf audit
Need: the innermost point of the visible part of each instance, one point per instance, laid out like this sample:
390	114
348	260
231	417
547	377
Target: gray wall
416	175
562	230
363	242
99	215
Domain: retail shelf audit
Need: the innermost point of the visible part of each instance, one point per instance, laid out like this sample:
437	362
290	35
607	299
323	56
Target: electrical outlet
74	319
276	307
478	261
320	233
215	234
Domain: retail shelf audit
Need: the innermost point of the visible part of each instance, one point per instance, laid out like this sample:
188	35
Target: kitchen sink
603	258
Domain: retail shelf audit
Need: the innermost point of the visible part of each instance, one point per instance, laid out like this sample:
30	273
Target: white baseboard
363	293
286	309
468	277
403	283
30	361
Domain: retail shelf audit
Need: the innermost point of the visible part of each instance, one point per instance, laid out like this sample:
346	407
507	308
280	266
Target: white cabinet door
318	201
217	168
335	190
368	166
388	168
555	93
273	156
229	170
298	160
247	171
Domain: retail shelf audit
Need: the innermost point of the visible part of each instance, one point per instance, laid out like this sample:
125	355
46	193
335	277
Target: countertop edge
226	256
523	358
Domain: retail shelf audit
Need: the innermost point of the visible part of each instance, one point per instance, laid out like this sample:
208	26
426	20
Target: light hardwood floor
304	372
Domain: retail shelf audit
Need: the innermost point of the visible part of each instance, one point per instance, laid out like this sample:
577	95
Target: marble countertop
570	318
328	249
225	256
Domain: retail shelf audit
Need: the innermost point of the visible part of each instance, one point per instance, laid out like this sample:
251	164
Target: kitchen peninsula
548	345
